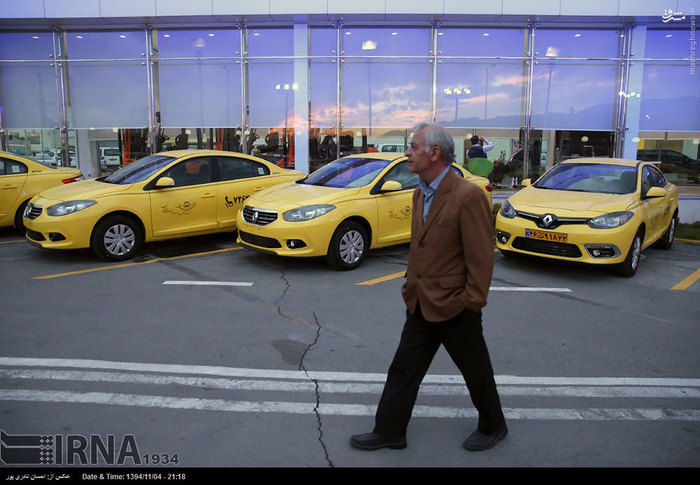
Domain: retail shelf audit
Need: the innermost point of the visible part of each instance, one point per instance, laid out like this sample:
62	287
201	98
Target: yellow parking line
382	279
126	265
15	241
686	282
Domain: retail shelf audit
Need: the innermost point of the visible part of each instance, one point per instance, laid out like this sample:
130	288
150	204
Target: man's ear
436	152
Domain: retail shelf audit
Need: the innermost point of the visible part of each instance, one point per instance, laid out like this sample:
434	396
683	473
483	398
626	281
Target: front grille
32	211
260	217
547	247
260	241
35	236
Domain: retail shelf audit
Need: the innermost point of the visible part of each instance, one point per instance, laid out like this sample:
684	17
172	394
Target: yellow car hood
575	204
81	190
298	195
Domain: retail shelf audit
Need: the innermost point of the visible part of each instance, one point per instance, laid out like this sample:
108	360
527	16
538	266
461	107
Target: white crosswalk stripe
353	388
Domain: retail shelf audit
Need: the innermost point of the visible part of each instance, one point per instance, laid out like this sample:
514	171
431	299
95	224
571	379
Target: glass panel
28	96
670	98
386	42
384	93
574	95
667	44
323	140
199	78
678	154
107	78
479	93
485	42
271	89
579	43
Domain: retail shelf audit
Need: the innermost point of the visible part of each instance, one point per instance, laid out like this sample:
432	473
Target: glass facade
82	97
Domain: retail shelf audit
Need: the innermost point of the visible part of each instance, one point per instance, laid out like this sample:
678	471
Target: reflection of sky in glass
576	43
574	96
270	42
267	105
670	98
479	93
27	90
385	92
667	44
90	81
323	78
196	92
481	42
199	43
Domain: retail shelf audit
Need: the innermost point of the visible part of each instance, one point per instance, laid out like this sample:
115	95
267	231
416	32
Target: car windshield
590	177
138	171
111	152
347	172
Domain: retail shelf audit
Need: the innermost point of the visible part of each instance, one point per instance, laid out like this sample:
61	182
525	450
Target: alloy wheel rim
352	245
636	251
119	240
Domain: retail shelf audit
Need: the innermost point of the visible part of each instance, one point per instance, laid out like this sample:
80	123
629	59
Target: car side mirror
391	186
526	182
655	192
164	182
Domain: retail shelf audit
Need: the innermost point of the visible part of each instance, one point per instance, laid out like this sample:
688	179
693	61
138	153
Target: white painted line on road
209	283
457	388
311	408
517	288
334	376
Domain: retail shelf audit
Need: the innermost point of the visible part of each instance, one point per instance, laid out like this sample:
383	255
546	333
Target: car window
193	171
593	177
652	177
139	170
231	168
347	172
11	167
400	173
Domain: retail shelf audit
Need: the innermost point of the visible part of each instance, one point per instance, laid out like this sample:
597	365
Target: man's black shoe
479	441
373	441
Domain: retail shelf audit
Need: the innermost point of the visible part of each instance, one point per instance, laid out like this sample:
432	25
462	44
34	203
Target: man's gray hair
438	135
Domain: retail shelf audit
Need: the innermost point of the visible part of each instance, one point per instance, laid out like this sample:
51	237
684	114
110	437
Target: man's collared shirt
429	190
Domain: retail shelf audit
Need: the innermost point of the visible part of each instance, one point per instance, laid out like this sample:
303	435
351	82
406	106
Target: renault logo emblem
547	220
255	217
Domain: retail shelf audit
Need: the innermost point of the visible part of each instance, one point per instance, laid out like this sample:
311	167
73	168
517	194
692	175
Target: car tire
666	240
116	238
629	266
19	217
348	246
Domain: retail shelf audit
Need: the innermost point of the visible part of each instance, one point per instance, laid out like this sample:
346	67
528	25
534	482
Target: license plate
546	235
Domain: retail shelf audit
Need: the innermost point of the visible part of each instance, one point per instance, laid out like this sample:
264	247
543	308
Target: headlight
65	208
307	212
608	221
507	210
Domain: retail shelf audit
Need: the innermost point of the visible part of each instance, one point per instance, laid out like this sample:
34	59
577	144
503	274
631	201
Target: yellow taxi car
162	196
596	211
339	211
21	179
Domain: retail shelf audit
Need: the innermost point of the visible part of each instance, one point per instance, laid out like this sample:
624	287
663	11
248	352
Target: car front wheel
116	238
348	246
629	266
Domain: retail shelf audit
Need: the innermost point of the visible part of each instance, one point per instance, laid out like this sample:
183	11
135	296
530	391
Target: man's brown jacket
450	261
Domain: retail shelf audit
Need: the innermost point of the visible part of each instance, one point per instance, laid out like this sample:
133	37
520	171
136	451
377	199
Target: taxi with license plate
339	211
596	211
21	179
167	195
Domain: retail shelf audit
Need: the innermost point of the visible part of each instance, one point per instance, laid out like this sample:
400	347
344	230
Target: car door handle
208	196
256	189
9	186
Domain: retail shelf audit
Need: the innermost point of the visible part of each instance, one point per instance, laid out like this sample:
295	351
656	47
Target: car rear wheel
629	266
348	246
666	240
116	238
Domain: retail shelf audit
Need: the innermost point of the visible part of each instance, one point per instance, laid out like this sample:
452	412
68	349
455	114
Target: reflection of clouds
510	80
